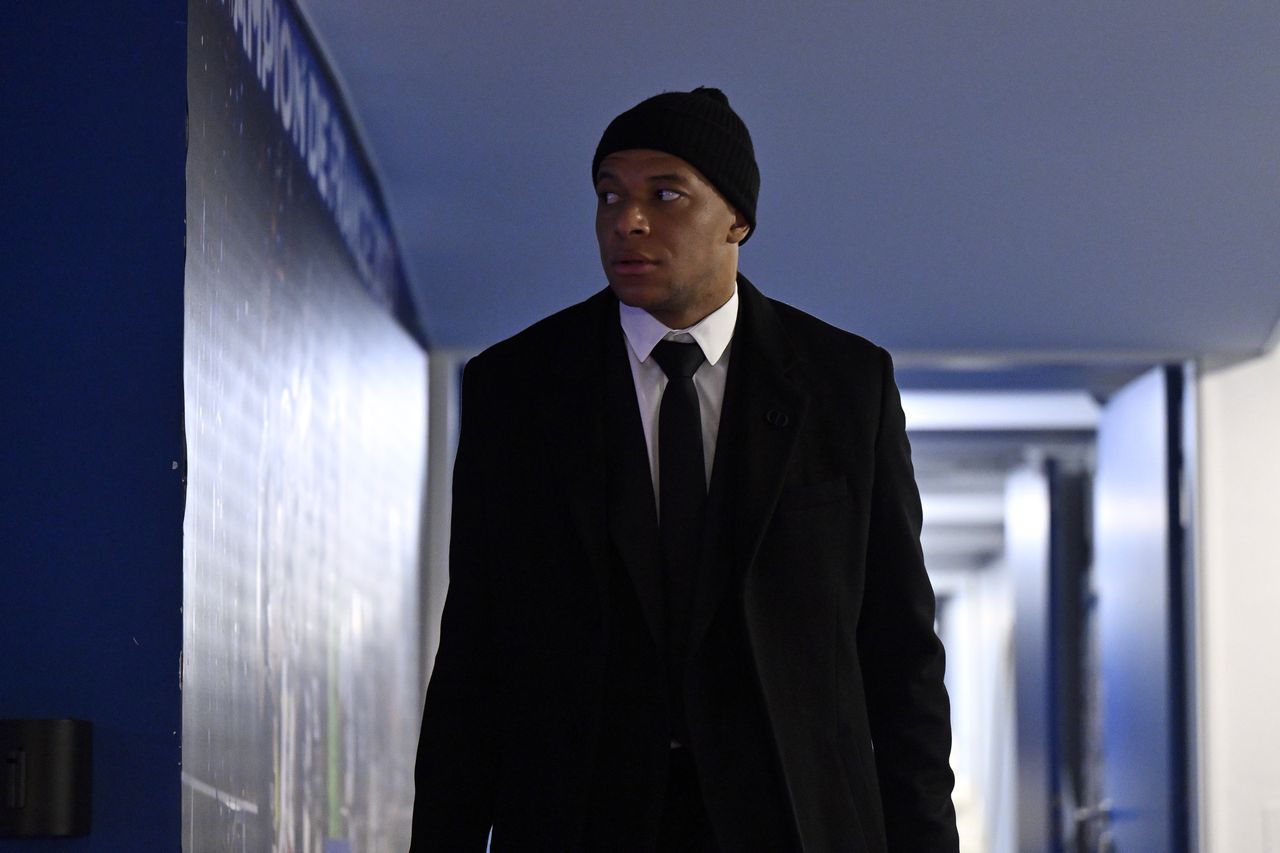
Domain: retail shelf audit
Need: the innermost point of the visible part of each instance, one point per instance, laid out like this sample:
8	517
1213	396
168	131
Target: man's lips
633	264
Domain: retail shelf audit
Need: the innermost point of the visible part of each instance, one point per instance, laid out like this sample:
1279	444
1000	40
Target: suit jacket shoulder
824	343
565	332
849	379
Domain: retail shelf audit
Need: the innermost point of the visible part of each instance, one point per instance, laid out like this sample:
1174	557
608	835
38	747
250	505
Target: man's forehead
648	161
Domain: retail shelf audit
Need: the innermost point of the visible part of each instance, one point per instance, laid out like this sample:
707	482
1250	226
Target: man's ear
740	228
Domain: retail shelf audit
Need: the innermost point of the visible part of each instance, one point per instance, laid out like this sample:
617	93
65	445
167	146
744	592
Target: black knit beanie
700	128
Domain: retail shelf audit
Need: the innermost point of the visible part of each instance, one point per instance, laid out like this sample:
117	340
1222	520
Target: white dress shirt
713	334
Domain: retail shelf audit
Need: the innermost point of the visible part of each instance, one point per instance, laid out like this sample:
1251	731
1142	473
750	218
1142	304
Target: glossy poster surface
305	400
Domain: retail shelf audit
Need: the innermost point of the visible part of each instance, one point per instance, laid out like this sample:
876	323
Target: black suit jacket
813	687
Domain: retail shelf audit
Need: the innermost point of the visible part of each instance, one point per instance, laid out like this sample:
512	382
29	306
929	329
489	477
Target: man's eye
668	195
607	197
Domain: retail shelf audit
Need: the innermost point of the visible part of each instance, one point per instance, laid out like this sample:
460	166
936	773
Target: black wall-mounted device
47	777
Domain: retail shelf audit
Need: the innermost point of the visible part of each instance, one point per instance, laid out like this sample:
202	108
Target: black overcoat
813	691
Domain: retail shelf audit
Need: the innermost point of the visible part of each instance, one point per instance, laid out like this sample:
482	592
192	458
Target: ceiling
1053	195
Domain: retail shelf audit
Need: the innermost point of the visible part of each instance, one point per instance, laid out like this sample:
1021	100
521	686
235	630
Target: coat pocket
797	498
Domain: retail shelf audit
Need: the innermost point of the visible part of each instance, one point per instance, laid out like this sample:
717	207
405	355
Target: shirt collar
712	333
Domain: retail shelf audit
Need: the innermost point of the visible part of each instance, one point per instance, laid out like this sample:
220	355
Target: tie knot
678	359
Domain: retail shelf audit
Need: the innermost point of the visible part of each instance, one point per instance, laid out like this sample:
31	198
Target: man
687	605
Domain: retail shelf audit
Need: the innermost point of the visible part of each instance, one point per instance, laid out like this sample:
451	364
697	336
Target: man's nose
630	220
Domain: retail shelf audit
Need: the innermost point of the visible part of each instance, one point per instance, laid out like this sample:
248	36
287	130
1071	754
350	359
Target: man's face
668	239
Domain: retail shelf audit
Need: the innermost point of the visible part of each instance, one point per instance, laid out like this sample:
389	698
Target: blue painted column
92	118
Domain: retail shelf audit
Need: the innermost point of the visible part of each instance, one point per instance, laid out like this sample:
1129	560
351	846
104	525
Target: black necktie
682	490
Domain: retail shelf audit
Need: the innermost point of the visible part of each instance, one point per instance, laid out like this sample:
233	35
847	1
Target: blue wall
91	492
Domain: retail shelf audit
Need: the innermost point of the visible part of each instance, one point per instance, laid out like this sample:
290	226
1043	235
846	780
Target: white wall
444	398
978	635
1239	583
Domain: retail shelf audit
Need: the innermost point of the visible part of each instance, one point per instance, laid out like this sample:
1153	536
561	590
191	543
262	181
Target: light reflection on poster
306	421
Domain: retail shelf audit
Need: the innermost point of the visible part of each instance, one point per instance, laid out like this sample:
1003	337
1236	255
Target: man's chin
635	295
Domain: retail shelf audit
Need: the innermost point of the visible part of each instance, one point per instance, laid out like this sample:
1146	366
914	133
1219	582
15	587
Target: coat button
777	418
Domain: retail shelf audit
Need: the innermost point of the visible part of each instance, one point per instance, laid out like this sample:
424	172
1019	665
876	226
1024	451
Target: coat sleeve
902	658
458	751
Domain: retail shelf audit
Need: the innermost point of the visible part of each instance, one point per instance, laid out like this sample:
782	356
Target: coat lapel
633	515
594	433
574	428
764	410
